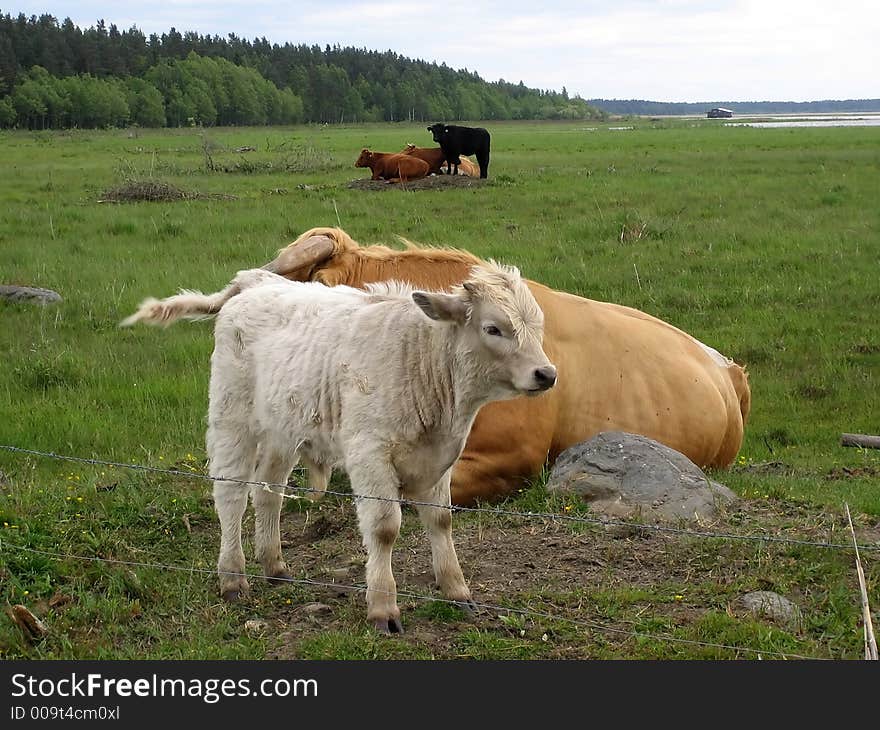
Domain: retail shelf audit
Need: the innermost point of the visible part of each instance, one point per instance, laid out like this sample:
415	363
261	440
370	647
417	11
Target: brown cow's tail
740	379
733	436
189	304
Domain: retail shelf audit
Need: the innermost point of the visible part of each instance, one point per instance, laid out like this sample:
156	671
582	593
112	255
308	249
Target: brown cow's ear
441	307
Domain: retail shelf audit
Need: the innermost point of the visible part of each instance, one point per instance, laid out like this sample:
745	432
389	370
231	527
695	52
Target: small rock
255	626
31	294
622	532
313	609
773	606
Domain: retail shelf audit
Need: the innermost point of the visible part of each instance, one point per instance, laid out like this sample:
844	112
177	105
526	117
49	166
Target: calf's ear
441	307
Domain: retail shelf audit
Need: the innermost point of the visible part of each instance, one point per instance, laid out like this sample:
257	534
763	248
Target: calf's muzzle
545	377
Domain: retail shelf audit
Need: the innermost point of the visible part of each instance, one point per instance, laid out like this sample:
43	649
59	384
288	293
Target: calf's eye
491	329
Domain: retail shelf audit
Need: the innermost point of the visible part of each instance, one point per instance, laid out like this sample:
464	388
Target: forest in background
57	75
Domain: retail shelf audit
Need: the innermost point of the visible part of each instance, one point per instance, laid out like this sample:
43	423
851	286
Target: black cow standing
455	141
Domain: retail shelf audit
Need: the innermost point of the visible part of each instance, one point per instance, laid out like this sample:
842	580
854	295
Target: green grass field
764	243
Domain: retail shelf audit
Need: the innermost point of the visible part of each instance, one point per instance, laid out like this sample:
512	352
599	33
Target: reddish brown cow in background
432	155
391	166
619	370
437	161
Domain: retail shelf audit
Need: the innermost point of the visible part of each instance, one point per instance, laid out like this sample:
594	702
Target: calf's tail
189	304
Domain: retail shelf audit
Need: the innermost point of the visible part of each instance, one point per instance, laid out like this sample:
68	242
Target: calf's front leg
438	525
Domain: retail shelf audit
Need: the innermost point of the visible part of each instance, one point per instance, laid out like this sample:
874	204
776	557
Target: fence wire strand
500	610
498	511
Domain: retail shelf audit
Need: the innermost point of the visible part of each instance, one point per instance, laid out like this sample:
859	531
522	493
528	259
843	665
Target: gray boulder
30	294
767	604
625	475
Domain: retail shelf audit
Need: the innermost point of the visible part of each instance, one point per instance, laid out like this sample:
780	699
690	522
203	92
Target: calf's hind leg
319	477
379	523
231	455
274	468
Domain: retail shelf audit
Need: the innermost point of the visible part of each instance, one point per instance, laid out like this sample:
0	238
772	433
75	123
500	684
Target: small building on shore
719	113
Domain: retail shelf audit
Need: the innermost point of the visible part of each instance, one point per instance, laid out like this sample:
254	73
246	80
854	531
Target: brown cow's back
437	161
431	155
623	370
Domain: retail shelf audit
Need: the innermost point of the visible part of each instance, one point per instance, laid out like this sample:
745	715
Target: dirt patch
857	472
433	182
624	579
764	468
155	191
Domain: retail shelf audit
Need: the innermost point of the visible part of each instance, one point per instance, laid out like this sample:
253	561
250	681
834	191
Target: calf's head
501	328
365	160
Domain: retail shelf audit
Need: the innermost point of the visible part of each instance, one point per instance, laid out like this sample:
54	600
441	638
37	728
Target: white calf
384	383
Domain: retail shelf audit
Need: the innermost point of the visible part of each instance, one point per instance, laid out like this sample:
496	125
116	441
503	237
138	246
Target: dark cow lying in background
457	141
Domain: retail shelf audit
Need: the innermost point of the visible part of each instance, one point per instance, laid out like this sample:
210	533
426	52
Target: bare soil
433	182
155	191
614	577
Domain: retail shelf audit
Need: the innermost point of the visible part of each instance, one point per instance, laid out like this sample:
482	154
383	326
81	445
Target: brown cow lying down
619	370
437	162
465	167
392	166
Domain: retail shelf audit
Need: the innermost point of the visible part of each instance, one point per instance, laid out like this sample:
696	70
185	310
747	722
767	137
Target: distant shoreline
642	107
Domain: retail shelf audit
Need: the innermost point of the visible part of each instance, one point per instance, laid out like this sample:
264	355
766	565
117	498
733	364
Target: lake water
860	120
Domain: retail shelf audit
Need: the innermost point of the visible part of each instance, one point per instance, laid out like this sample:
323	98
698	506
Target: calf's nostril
545	377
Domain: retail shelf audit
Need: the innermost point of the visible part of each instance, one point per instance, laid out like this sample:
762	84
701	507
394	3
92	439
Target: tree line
57	75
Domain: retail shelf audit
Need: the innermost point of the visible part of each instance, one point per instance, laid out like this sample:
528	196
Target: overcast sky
662	50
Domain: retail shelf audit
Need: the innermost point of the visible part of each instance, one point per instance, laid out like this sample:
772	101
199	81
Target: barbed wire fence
292	491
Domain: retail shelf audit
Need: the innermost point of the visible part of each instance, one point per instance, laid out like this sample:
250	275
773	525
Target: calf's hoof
387	626
468	606
279	577
233	590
